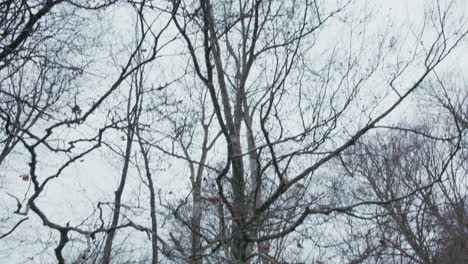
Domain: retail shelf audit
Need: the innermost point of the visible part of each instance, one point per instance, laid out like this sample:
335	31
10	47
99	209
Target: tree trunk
239	246
154	223
196	250
117	201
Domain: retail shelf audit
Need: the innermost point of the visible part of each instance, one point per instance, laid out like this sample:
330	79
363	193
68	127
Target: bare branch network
249	131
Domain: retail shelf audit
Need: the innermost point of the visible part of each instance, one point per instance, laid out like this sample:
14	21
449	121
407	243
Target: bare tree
426	161
134	103
39	64
38	84
282	113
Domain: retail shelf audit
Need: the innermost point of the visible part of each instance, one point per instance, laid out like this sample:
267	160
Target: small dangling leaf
383	242
25	177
